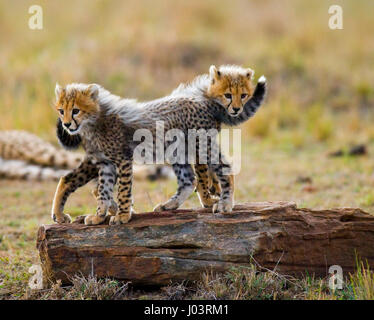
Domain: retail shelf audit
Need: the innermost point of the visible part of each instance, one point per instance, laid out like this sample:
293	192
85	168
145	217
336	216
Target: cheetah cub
234	100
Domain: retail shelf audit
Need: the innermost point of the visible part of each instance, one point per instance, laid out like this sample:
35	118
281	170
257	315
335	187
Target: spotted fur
106	124
25	156
22	170
27	147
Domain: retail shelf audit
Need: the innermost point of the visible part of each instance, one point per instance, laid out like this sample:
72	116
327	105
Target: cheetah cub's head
231	86
76	104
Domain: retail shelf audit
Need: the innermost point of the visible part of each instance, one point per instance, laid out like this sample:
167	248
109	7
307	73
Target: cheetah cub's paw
223	206
120	219
170	205
209	202
112	211
65	218
159	208
93	219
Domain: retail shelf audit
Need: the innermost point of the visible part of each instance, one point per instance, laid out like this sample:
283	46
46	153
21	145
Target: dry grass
363	282
239	283
82	288
244	284
320	100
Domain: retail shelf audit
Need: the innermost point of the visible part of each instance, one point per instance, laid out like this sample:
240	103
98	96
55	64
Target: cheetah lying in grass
25	156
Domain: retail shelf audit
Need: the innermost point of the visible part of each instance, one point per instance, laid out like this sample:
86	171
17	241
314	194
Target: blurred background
320	99
311	142
317	77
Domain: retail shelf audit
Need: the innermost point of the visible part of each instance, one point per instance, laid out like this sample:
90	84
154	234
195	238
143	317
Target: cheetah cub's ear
214	73
250	73
58	91
92	91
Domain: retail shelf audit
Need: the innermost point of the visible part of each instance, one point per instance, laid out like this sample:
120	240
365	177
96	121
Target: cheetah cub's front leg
103	193
124	196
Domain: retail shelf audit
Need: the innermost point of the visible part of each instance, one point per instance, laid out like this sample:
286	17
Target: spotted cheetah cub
231	87
105	125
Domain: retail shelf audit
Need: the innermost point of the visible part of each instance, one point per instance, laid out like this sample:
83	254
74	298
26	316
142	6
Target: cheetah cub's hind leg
205	185
186	185
68	184
104	196
124	197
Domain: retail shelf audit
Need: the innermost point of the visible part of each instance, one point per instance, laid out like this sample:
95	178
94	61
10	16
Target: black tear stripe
68	141
249	110
76	124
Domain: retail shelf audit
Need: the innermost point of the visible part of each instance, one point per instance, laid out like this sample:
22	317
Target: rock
156	248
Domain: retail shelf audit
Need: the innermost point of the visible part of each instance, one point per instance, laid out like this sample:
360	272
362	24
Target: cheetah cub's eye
61	111
244	95
75	111
228	95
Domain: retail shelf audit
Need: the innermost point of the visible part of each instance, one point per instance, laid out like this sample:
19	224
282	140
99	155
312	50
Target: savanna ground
320	100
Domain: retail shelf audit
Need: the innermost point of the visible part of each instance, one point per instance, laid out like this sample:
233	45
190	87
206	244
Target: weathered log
155	248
